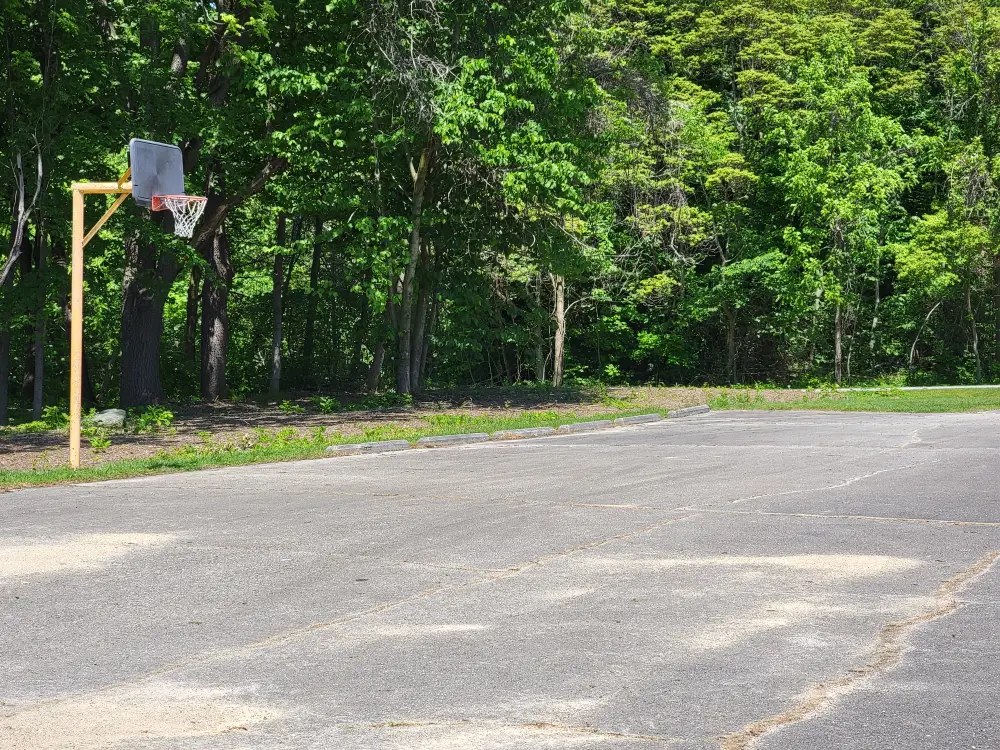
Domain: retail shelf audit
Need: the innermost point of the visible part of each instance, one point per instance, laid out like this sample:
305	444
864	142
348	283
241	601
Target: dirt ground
227	421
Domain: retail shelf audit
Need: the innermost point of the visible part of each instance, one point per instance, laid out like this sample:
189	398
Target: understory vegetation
449	193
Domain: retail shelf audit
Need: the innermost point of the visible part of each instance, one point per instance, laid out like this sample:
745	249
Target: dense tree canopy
450	192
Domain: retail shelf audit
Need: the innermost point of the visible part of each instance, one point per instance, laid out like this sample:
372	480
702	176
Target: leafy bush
325	404
152	419
99	439
291	408
55	418
24	427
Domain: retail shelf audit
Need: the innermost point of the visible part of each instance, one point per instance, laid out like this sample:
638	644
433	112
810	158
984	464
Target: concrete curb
383	446
527	432
443	440
689	411
640	419
601	424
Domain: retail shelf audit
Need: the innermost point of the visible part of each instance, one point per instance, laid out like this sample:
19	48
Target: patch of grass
456	424
888	400
286	444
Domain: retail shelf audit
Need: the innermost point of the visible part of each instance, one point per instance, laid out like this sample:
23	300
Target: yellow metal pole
122	189
76	333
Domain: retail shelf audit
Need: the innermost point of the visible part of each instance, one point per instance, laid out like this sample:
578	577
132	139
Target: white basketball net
187	209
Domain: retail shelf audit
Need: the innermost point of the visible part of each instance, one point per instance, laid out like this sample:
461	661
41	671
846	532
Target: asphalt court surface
742	579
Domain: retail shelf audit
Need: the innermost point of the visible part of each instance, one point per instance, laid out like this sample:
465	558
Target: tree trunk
916	339
215	319
25	281
274	388
5	294
19	259
540	354
148	277
426	349
727	311
973	329
420	320
378	354
146	284
996	308
314	269
191	313
142	328
838	340
37	396
403	337
559	289
362	332
878	301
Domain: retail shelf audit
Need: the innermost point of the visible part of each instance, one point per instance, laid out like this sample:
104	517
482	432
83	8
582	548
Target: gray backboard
157	169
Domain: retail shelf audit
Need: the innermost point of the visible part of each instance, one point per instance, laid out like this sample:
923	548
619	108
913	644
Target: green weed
99	440
325	404
290	408
151	419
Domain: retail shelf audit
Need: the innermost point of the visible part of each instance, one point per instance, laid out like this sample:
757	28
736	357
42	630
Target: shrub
99	439
152	419
325	404
291	408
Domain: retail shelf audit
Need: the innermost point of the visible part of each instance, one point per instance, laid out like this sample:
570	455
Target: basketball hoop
187	209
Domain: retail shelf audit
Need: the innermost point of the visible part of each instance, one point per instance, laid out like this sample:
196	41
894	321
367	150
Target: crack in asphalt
915	438
890	645
457	568
838	485
581	548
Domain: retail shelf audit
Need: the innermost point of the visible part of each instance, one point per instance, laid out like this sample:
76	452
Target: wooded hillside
451	192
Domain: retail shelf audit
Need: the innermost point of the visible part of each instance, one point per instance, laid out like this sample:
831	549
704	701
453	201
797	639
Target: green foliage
326	404
54	418
99	440
290	408
722	191
151	419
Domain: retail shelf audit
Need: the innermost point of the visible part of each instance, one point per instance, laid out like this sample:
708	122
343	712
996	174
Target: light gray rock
108	418
439	441
527	432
